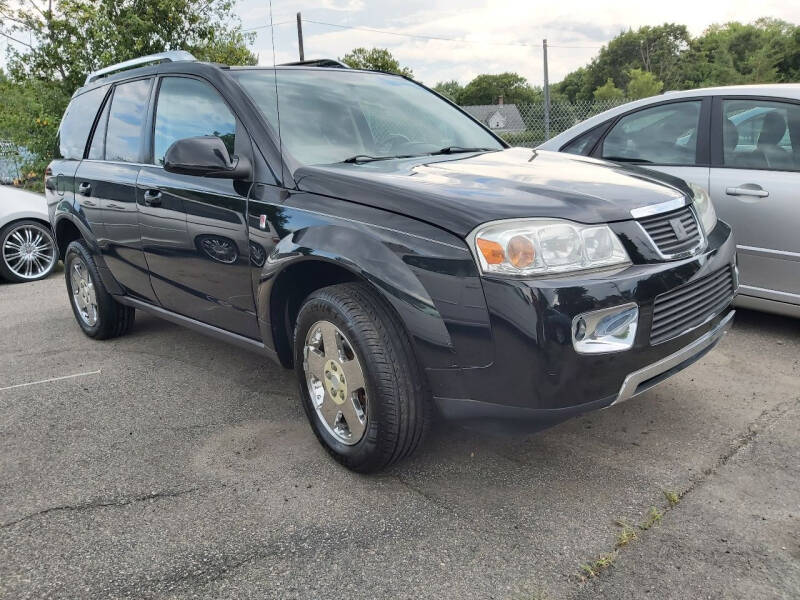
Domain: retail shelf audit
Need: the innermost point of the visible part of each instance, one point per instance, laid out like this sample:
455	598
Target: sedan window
760	134
660	135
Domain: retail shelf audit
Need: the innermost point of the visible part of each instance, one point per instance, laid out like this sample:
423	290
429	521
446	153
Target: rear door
194	229
73	134
671	137
755	186
107	181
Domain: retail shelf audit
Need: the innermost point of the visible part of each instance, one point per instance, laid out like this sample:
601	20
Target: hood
458	193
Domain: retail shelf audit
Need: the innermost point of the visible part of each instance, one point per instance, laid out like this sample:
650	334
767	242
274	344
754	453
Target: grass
672	497
653	517
626	535
594	568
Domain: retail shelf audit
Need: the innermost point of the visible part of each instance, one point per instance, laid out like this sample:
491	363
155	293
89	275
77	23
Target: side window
584	143
126	121
98	148
77	123
190	108
664	135
761	134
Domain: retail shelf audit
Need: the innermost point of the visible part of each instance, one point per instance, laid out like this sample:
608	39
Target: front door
194	232
755	186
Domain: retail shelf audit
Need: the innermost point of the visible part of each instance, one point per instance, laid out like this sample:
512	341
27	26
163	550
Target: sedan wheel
335	382
28	251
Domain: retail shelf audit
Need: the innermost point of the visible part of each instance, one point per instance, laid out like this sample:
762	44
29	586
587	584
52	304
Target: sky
496	36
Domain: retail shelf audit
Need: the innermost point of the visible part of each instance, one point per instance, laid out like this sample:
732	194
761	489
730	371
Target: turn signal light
492	251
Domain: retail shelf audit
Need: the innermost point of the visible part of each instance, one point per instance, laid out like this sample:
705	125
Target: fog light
605	330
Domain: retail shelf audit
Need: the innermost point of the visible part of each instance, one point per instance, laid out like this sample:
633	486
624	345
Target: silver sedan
742	145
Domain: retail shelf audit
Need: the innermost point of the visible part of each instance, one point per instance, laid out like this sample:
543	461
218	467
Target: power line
267	26
443	39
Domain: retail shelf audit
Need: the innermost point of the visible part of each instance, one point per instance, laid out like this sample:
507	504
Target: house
500	118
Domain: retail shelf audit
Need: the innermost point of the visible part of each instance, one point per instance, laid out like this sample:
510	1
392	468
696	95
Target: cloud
488	36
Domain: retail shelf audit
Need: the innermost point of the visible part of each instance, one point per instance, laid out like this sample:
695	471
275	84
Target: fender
65	211
431	281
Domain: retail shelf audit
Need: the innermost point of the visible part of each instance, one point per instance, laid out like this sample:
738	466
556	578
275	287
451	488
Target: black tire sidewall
78	250
365	454
5	271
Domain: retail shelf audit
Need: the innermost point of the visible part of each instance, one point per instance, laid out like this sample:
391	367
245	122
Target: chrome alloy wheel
335	381
83	294
29	251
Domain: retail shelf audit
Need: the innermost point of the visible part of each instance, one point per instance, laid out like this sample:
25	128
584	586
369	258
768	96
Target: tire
27	251
393	399
103	318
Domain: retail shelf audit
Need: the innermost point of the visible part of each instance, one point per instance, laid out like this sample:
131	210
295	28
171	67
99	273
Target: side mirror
205	156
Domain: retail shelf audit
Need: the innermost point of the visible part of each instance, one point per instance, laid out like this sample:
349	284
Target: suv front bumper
537	375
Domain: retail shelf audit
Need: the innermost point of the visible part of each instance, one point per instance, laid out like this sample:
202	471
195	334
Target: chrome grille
674	232
687	306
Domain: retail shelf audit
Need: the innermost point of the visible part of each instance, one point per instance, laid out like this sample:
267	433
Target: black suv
361	229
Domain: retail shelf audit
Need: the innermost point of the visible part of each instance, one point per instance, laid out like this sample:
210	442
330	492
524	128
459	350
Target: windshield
329	116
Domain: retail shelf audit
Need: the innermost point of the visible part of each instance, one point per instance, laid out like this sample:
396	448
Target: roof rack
329	63
172	56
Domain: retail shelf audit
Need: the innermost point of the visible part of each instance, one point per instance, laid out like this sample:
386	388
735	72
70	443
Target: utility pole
546	93
300	36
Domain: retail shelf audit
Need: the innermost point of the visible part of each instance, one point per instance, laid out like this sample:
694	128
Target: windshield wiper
458	149
362	158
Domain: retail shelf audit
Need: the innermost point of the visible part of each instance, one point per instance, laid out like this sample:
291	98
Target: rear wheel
27	251
361	387
98	314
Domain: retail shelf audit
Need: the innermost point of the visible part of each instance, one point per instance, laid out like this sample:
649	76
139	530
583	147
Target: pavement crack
101	503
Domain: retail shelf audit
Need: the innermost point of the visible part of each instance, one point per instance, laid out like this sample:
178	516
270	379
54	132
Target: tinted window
98	147
584	143
758	134
665	135
328	115
126	121
190	108
77	122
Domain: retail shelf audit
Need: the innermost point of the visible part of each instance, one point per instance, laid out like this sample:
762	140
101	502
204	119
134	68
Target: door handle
85	189
748	189
152	198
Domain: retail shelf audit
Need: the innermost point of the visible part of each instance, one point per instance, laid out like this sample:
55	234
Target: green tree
643	84
74	37
450	89
375	59
608	91
487	89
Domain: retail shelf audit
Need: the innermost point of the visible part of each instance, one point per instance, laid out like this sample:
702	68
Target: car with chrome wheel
360	229
27	248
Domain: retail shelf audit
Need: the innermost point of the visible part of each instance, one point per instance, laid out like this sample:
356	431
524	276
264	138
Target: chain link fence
524	124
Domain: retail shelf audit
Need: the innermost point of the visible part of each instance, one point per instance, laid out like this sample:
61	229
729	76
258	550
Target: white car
742	145
27	249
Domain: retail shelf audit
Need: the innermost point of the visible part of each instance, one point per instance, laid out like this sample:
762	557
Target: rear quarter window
77	123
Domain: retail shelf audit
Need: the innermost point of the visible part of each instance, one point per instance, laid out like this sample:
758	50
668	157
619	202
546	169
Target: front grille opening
690	305
673	232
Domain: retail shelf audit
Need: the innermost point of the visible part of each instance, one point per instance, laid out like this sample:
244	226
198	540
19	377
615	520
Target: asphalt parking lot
176	466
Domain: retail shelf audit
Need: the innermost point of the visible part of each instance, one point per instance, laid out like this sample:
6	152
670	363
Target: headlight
545	246
704	208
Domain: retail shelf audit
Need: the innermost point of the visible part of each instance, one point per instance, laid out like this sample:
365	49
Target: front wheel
361	386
